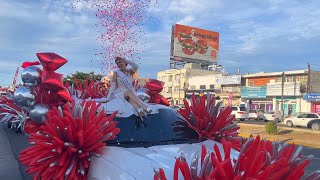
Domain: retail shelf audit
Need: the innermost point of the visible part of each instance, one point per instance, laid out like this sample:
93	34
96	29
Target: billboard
228	80
194	43
253	92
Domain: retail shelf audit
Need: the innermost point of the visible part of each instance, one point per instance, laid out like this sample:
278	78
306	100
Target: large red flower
258	159
210	121
67	140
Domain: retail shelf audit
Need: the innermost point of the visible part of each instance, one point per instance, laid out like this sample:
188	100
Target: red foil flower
65	143
210	121
258	159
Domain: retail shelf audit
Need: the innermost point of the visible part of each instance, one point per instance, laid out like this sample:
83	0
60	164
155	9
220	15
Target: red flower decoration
210	121
67	140
51	61
88	89
258	159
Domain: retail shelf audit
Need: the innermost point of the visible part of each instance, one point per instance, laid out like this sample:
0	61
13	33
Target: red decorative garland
210	121
67	140
258	159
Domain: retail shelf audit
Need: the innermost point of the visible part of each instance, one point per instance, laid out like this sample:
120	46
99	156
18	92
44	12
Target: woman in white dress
121	86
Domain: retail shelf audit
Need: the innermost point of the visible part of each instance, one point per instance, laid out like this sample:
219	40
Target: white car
240	113
141	146
256	114
309	120
273	116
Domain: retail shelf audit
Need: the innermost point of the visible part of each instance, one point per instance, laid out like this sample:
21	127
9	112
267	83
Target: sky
255	35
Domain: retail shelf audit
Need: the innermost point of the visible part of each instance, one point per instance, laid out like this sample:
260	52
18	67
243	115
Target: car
177	107
273	115
240	113
144	145
309	120
256	114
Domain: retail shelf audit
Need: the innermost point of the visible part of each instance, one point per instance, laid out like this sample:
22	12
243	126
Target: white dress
117	102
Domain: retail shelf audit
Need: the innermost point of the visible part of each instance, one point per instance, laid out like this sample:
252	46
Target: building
271	91
177	80
225	88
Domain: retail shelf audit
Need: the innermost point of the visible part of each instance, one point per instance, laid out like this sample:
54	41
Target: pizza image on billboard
202	47
194	43
188	46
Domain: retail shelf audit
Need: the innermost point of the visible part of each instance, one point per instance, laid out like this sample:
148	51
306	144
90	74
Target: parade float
72	133
72	137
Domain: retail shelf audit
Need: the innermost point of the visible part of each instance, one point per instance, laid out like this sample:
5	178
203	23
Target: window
312	116
170	78
211	86
192	87
177	77
251	83
202	86
169	89
176	89
302	116
163	78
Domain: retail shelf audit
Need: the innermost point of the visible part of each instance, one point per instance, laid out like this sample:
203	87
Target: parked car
141	146
177	107
273	116
240	113
309	120
257	114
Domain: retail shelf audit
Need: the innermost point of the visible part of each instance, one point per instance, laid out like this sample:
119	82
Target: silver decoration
38	113
142	94
24	97
15	118
31	76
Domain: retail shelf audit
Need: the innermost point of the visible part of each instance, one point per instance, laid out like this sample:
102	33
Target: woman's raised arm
133	65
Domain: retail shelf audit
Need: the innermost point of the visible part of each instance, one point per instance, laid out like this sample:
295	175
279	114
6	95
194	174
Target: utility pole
308	81
282	87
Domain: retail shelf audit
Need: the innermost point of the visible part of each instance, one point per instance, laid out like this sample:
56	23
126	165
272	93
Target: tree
81	76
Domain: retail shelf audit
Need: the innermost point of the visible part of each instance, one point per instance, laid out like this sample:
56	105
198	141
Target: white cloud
249	31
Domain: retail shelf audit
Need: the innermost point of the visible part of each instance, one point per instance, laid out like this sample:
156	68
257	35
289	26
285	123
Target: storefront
289	104
256	97
314	98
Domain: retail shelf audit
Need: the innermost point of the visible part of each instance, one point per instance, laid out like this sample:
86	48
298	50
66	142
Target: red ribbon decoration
51	61
51	91
51	80
27	64
154	87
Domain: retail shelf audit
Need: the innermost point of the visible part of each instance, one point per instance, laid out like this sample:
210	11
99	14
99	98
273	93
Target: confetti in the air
119	23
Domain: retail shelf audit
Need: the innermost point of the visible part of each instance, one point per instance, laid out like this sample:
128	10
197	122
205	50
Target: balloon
142	94
30	127
24	97
38	113
31	76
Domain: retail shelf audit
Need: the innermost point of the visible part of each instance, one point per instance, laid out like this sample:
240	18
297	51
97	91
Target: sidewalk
9	166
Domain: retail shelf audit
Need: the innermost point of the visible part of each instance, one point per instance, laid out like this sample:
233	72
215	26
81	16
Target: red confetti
119	23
